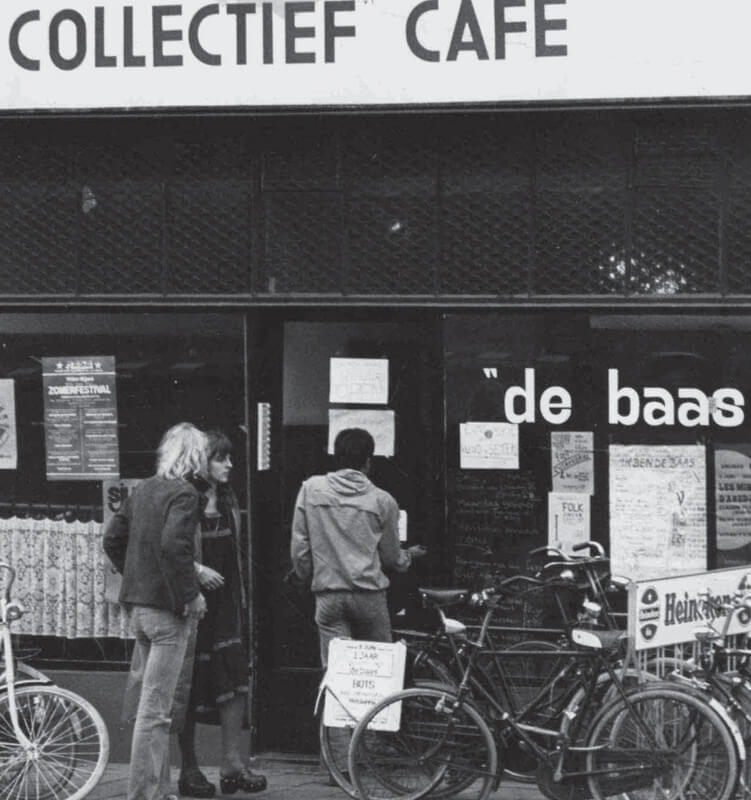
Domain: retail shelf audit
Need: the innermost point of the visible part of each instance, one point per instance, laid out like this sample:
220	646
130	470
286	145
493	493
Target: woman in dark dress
220	675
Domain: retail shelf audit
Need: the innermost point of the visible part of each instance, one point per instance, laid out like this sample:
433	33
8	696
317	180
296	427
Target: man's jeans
351	615
161	642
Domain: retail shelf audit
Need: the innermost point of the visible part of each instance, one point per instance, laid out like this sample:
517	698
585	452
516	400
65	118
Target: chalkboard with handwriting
495	519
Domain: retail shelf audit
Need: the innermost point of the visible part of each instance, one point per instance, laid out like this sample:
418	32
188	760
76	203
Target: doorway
288	666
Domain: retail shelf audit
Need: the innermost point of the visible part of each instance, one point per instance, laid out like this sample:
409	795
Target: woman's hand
209	578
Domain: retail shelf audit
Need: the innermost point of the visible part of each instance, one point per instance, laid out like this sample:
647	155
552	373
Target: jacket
151	542
345	532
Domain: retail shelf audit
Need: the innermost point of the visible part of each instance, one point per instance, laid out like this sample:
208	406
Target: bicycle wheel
69	745
442	748
664	743
334	744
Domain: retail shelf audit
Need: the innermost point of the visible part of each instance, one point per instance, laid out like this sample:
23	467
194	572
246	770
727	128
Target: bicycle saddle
439	598
597	640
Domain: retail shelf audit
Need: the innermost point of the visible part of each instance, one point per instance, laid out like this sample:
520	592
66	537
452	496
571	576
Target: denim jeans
351	615
160	646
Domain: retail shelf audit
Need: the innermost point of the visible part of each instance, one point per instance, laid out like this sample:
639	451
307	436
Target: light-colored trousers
161	642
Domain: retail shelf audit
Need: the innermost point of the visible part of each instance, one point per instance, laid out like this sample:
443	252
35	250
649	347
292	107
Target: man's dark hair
352	448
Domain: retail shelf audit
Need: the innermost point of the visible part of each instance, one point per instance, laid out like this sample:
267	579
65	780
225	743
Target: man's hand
416	551
196	607
209	578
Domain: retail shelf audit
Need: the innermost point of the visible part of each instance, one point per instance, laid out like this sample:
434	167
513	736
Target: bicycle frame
8	612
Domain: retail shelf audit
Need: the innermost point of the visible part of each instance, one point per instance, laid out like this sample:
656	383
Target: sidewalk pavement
290	778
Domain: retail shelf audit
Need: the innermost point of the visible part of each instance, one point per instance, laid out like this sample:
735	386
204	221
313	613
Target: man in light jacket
345	532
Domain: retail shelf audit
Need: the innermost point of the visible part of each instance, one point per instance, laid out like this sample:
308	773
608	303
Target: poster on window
80	418
572	461
568	520
658	514
8	437
733	504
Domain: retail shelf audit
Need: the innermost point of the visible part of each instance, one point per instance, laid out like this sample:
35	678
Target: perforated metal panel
444	207
38	212
120	218
208	218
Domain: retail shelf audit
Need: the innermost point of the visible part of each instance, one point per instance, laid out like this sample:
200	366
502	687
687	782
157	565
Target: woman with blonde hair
151	542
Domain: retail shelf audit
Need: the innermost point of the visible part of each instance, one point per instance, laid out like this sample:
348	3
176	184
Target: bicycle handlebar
553	551
595	548
596	551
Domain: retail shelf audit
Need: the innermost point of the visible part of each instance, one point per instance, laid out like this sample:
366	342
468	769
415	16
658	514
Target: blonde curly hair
182	452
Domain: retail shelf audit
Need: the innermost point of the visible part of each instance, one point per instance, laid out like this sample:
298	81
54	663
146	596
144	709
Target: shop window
659	403
169	368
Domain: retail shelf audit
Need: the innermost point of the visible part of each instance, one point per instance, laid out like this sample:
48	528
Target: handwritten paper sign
359	675
359	380
572	461
380	424
658	514
568	520
489	445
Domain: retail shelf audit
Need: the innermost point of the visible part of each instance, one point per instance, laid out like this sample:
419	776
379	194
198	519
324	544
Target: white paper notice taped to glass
359	675
489	445
359	380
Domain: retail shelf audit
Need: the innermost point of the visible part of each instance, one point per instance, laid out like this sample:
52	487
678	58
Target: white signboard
658	515
360	674
568	520
359	380
667	611
733	505
84	54
488	445
380	424
8	436
572	461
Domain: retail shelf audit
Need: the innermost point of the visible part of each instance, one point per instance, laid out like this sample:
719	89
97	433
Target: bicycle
517	671
654	741
720	669
54	744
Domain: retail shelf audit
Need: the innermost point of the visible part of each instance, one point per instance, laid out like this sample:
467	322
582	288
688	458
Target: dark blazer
151	541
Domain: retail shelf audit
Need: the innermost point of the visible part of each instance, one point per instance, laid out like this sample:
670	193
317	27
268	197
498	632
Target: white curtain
60	579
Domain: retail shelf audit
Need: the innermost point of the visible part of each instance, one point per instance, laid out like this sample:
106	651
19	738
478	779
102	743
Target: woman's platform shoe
195	784
243	781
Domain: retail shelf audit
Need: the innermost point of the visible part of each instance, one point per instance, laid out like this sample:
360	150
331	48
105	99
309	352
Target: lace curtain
60	579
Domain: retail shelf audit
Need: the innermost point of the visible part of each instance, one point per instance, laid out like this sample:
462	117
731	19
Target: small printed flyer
572	461
8	435
568	520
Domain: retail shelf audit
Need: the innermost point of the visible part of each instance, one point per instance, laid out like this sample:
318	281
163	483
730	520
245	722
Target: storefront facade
560	268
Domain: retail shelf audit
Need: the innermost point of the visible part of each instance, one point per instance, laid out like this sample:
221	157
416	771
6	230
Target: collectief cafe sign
83	54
